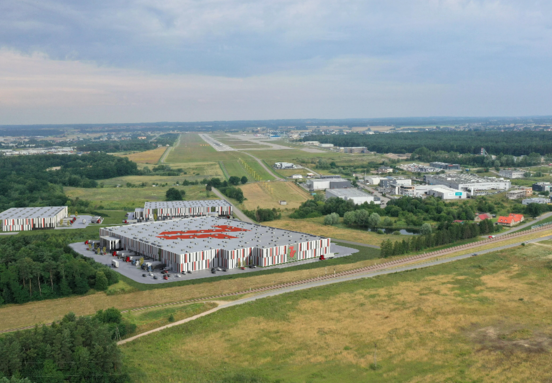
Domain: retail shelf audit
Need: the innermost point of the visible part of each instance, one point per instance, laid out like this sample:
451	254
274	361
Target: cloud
145	60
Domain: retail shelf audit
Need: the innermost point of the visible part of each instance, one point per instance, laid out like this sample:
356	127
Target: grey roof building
30	218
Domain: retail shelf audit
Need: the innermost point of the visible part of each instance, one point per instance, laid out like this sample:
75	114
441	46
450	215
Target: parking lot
135	273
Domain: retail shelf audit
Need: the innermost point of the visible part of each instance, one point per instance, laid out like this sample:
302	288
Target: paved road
376	193
237	212
164	156
326	282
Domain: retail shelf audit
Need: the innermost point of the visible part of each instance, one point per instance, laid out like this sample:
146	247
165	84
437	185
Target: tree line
75	349
38	267
39	180
449	234
134	144
425	155
464	142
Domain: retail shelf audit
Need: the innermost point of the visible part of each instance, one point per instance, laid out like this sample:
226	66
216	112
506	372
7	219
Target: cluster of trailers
207	242
32	218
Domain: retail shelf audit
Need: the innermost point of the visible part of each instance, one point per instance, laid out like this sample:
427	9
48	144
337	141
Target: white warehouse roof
31	212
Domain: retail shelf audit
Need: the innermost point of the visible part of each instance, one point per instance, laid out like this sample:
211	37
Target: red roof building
482	217
511	220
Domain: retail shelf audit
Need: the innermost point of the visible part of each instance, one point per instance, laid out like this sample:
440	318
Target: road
164	156
237	212
329	280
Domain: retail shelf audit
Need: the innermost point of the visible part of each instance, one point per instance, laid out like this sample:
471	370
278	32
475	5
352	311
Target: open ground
147	157
482	319
268	195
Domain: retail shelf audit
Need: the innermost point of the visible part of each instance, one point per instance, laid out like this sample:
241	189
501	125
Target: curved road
237	211
324	281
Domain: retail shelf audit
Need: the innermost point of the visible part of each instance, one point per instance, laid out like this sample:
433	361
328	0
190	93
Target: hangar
32	218
191	244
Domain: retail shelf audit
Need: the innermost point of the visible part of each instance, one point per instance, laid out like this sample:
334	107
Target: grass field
259	196
485	319
122	198
315	226
147	157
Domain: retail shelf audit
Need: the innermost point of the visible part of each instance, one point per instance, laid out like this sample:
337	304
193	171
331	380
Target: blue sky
187	60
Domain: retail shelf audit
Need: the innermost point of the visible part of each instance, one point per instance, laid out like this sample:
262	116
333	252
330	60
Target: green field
123	198
483	319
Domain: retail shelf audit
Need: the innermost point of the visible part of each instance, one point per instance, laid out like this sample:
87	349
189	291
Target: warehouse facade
182	209
32	218
192	244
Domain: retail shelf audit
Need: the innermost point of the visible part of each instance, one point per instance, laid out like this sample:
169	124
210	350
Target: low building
511	220
296	177
384	169
446	193
356	196
482	217
178	209
372	180
395	181
354	149
469	183
509	173
328	183
32	218
328	146
192	244
284	165
445	166
542	186
535	200
516	194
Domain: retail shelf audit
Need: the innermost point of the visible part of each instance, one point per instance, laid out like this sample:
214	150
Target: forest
133	144
38	267
75	349
515	143
29	181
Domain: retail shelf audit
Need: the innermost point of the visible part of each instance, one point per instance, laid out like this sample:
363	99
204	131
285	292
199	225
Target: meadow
147	157
484	319
268	194
123	198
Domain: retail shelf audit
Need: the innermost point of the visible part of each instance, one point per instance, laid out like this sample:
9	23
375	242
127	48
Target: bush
101	281
171	318
174	194
331	219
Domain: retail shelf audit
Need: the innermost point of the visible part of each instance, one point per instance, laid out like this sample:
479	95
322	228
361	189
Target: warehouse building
192	244
471	184
445	192
32	218
328	183
358	197
445	166
509	173
181	209
542	186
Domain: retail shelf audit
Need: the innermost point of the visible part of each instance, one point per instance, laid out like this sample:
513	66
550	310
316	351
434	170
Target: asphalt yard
136	273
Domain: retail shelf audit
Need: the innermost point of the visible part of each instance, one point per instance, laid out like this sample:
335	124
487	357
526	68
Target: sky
117	61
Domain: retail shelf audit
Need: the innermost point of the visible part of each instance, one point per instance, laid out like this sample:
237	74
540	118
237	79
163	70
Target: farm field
259	196
484	319
130	198
147	157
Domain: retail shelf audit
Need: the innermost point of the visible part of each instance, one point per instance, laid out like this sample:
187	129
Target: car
219	269
150	274
474	255
252	267
165	277
155	277
213	271
189	271
143	275
243	268
224	270
177	275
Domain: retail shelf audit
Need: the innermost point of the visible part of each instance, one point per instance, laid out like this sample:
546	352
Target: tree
331	219
374	220
426	229
244	180
349	218
101	281
319	197
234	180
174	194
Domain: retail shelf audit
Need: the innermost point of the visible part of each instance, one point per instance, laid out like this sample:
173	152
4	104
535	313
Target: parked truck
114	263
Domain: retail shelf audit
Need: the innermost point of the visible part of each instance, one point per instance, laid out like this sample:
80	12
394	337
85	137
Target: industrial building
509	173
32	218
372	180
445	192
445	166
535	200
328	183
179	209
358	197
284	165
469	183
542	186
191	244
